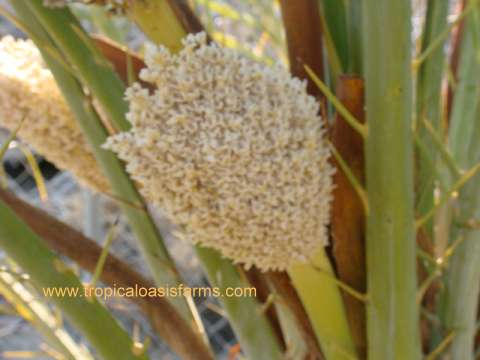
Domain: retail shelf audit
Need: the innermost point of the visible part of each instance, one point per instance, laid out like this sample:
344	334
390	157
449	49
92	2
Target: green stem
47	271
337	104
392	313
334	15
467	94
460	299
431	71
443	149
463	277
462	285
324	305
94	69
440	38
354	27
249	323
449	193
103	255
298	345
429	103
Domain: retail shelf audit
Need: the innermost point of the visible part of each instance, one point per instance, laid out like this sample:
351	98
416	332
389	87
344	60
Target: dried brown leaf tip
233	151
28	91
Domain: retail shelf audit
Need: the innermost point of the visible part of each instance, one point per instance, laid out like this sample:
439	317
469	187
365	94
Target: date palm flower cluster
233	151
28	93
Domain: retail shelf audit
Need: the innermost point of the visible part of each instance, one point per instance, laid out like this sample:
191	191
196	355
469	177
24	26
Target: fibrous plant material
234	153
29	93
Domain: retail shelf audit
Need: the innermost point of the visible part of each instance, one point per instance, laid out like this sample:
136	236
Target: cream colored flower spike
232	151
28	89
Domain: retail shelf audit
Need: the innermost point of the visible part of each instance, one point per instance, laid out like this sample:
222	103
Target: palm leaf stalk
335	17
289	304
300	341
463	272
429	103
456	42
348	213
429	127
323	302
354	28
305	43
460	298
348	210
464	111
256	338
392	314
47	271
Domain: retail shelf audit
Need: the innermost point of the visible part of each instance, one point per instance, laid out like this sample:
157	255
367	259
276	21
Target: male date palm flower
232	151
28	92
